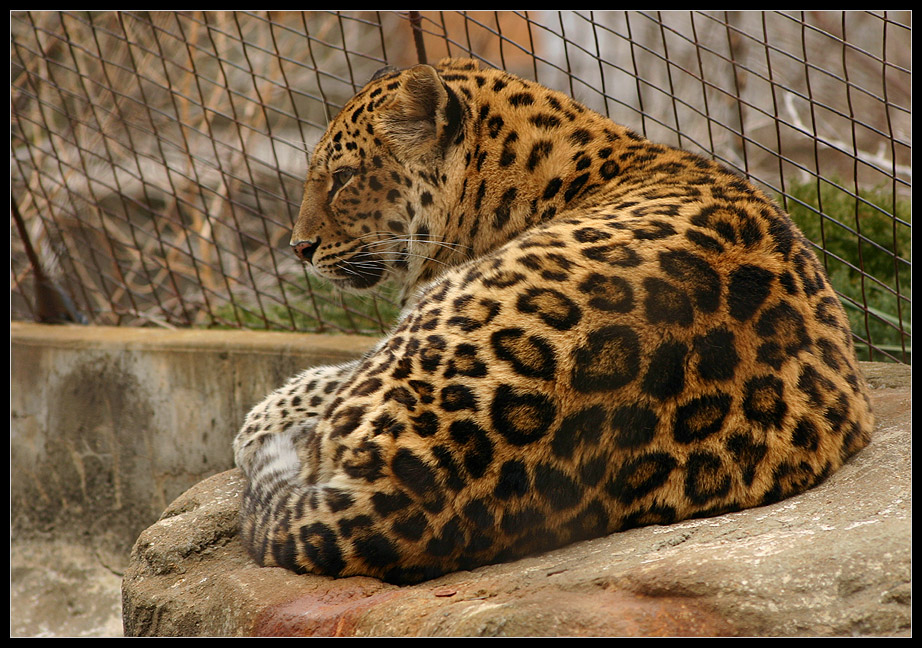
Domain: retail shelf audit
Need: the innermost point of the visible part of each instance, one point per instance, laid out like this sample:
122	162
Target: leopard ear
424	116
383	72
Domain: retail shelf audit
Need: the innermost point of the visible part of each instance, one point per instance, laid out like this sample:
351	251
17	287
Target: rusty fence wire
157	157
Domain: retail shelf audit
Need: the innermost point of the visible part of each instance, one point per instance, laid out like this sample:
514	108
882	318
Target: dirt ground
58	589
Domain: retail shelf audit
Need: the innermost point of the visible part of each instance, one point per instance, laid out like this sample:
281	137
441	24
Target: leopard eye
342	176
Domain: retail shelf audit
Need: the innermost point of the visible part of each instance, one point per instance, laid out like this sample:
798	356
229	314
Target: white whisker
427	238
399	256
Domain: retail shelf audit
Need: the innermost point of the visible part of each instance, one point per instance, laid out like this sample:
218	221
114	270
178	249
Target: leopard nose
305	249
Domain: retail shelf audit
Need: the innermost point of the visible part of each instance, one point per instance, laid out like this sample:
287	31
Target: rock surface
835	561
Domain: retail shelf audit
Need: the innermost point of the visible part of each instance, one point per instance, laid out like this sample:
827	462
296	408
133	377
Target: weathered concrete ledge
835	561
109	425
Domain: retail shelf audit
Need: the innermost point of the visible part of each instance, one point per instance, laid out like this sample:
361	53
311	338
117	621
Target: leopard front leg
290	411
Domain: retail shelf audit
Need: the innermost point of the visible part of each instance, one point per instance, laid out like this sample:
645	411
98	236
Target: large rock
835	561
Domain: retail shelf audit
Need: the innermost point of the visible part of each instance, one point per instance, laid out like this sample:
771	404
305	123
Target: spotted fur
600	332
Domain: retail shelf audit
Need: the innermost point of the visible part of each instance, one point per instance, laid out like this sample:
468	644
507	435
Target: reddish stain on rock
334	612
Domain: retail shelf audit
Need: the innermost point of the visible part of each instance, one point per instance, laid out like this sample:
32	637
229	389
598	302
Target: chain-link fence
157	158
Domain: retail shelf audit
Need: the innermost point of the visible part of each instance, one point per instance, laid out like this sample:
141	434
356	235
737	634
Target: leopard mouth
359	271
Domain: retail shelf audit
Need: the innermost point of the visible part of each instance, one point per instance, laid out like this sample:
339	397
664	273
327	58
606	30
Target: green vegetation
314	306
865	242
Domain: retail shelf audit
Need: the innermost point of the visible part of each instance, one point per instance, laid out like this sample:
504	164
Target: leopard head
379	183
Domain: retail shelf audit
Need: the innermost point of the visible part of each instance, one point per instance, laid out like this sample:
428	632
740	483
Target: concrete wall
109	425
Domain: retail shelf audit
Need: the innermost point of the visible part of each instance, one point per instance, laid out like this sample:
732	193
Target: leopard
597	333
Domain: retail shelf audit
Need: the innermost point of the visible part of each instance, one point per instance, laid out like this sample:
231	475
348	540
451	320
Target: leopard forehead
352	127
